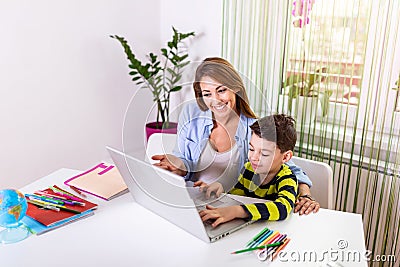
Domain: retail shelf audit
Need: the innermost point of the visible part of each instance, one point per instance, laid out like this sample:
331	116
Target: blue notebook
37	228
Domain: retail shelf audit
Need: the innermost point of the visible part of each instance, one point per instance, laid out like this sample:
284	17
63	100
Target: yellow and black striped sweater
281	191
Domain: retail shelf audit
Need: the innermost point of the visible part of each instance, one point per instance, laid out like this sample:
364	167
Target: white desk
122	233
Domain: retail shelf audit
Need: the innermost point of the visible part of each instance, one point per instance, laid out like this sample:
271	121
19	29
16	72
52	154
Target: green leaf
153	57
171	71
186	35
183	64
176	88
324	99
177	78
183	57
164	52
293	92
293	79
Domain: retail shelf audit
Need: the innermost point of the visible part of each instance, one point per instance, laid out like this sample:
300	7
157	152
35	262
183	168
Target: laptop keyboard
214	203
200	200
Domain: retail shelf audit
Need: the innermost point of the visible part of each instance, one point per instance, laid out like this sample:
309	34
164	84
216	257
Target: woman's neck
222	135
226	120
229	123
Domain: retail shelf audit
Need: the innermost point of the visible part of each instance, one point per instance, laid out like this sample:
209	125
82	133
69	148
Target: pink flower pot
151	128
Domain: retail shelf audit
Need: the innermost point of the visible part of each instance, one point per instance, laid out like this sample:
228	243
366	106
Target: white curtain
359	44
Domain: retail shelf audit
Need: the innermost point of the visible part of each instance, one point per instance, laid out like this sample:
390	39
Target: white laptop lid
161	192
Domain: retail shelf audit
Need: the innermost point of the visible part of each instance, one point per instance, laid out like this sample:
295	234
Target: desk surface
123	233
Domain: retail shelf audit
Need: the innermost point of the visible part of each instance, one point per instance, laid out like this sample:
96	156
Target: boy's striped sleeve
278	209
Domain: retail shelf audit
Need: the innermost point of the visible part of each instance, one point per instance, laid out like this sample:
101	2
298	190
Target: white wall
204	17
64	83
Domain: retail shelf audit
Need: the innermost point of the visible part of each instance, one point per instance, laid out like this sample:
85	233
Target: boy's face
265	156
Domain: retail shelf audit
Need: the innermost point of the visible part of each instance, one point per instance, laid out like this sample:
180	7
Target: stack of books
54	207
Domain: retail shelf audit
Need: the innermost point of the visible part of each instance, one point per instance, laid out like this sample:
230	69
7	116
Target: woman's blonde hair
223	72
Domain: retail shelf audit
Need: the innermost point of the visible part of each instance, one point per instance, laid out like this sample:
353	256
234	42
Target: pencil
257	236
267	239
49	207
266	236
46	204
275	253
260	247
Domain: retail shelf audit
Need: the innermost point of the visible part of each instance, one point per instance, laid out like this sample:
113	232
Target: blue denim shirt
194	129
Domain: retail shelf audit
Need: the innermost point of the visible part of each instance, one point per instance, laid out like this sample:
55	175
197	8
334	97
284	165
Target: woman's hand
221	215
200	184
305	204
171	163
215	188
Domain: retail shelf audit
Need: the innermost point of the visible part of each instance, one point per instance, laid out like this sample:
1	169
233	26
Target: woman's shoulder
191	109
193	117
191	106
249	120
244	127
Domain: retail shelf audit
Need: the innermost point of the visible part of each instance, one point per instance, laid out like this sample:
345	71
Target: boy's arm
280	208
225	214
239	187
222	215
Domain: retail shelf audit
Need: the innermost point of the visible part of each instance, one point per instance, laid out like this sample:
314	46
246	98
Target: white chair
321	175
159	143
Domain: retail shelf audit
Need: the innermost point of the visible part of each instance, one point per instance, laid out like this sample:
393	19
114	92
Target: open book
103	181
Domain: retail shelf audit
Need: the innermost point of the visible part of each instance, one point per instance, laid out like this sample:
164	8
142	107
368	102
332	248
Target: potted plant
299	85
160	76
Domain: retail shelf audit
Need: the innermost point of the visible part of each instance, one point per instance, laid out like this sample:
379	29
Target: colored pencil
44	204
260	247
257	236
276	252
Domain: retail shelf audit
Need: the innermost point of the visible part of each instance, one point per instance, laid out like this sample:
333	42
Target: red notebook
51	217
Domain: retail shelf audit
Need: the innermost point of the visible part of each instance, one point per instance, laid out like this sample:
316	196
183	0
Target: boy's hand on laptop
221	215
170	163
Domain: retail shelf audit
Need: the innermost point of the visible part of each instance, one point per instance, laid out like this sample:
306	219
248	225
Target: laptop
167	195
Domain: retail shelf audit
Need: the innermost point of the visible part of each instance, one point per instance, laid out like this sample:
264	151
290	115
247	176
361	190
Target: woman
214	132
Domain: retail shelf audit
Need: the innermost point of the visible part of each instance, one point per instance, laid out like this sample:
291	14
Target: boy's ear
287	156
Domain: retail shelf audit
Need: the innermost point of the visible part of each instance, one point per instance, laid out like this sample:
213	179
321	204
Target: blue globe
13	208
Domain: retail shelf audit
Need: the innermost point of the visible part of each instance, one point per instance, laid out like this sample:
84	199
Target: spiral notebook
103	181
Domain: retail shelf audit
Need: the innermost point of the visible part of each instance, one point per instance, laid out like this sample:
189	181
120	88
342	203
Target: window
347	49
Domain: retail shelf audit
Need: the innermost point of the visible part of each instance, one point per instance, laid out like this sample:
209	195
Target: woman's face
218	98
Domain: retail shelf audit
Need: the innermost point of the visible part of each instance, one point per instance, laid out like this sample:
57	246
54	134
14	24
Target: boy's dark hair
278	128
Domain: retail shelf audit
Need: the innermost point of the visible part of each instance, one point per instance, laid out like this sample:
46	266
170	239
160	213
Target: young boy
265	175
